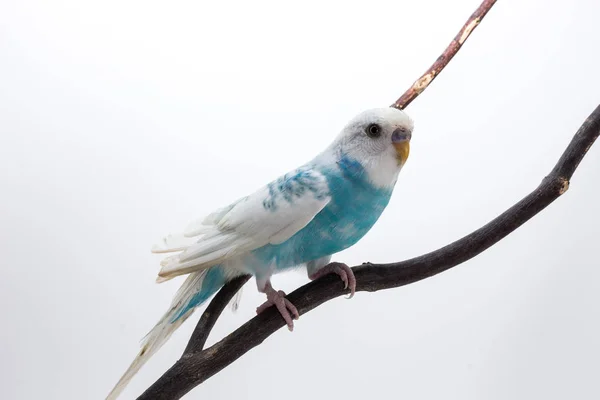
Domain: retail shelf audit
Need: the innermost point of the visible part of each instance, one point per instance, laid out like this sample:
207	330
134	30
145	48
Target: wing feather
271	215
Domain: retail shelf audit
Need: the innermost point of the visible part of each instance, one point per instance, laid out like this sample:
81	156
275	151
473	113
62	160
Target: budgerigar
300	219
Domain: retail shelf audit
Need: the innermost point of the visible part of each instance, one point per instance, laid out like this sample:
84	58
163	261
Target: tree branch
423	82
196	366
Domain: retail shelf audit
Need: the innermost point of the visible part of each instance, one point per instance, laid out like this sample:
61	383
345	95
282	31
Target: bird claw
288	311
341	269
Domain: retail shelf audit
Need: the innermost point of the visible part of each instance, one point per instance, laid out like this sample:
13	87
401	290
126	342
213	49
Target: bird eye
373	131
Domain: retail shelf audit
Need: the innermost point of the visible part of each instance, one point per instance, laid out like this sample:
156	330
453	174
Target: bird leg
277	298
344	271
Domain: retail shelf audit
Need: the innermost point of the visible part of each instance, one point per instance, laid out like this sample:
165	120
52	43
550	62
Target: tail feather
196	289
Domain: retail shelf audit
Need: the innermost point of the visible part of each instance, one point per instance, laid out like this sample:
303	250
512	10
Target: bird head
379	139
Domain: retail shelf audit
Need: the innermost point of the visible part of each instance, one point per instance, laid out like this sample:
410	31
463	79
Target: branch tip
436	68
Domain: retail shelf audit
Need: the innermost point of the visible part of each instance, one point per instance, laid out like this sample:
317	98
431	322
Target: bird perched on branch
302	218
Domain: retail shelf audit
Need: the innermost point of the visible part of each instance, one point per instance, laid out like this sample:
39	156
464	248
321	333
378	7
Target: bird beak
401	141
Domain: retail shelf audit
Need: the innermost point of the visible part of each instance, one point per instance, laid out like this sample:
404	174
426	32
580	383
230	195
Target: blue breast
354	208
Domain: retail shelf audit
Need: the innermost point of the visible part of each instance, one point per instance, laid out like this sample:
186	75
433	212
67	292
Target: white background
121	121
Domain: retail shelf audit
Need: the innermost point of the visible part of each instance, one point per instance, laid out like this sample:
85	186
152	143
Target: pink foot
277	298
344	271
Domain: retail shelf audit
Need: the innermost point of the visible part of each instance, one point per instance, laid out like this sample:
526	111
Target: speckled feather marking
293	185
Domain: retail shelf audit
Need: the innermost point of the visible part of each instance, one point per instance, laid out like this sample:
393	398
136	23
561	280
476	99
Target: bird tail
197	288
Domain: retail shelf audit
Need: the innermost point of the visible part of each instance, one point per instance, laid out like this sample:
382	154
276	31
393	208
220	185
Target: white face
380	140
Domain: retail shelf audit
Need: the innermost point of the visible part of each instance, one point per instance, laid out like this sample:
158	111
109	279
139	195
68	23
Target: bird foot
277	298
341	269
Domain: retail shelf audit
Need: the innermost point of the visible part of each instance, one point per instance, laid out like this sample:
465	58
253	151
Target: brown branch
423	82
196	366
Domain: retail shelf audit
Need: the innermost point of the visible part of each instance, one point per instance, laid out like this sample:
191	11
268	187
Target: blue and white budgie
302	218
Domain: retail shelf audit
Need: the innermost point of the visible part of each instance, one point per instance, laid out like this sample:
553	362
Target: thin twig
196	367
423	82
